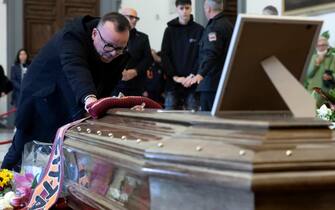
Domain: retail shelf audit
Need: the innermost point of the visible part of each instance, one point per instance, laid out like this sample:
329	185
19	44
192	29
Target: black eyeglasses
109	47
133	17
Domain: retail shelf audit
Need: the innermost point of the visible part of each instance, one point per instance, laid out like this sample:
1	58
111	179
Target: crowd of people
92	58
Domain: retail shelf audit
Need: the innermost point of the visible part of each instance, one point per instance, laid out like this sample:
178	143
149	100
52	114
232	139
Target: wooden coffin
192	161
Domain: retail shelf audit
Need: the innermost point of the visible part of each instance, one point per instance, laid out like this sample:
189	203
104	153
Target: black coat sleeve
167	65
5	84
213	49
74	56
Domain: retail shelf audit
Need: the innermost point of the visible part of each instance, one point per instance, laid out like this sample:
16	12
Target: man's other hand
197	79
129	74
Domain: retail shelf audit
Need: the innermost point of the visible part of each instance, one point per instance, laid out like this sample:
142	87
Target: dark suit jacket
65	71
140	59
213	50
16	78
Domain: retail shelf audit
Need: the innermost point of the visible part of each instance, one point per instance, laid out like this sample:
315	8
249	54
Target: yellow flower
6	177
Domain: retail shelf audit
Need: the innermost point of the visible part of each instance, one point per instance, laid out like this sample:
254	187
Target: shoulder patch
212	36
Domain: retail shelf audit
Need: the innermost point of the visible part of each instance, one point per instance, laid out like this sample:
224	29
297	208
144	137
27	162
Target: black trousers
13	158
207	100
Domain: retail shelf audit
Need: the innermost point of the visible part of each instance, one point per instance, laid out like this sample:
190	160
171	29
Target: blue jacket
16	78
65	71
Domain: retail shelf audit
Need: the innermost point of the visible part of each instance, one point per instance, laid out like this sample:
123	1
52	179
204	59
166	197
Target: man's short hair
120	21
216	5
183	2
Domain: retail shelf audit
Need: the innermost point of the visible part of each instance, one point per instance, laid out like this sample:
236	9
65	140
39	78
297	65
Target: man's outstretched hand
89	101
98	108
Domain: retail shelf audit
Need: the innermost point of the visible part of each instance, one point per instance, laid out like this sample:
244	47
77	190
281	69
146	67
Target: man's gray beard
322	52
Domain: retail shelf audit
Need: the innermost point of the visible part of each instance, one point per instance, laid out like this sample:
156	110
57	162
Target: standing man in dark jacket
213	50
82	62
180	49
133	76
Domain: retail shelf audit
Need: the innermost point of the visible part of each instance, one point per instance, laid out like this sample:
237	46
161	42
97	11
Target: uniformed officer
133	76
212	54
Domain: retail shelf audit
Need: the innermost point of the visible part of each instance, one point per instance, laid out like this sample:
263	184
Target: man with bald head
82	62
133	76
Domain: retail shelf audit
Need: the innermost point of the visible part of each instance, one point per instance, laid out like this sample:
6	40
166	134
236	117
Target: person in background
133	76
18	71
80	63
213	50
321	70
270	10
5	84
155	82
180	49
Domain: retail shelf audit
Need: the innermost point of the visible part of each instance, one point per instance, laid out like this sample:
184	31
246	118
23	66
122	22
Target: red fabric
98	108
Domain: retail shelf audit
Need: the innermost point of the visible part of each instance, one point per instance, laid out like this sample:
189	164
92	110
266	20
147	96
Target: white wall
329	24
256	7
3	48
154	15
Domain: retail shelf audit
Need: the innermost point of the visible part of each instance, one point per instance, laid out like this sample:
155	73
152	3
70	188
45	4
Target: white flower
324	112
5	205
124	197
9	196
115	193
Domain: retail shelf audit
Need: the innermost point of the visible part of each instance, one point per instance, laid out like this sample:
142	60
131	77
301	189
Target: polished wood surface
184	160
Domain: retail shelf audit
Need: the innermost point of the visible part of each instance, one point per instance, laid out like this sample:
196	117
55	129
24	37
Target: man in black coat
180	49
212	54
133	76
82	62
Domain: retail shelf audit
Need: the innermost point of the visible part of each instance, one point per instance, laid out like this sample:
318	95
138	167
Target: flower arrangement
24	184
16	189
326	113
6	181
326	101
6	193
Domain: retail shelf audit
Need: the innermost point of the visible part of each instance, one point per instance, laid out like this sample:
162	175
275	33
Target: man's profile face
108	42
184	12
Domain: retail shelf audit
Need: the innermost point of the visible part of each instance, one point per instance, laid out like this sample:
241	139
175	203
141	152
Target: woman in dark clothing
18	70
